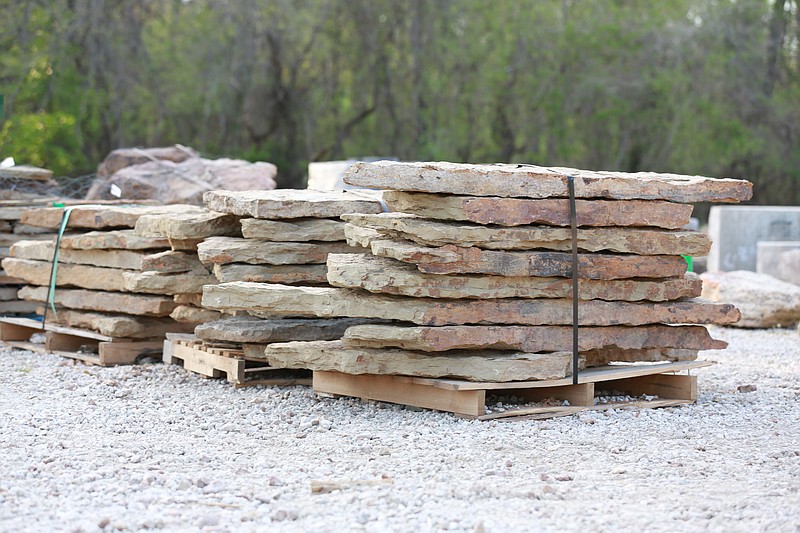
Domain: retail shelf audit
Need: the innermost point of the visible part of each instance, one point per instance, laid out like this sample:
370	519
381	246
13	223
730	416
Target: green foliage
42	139
693	86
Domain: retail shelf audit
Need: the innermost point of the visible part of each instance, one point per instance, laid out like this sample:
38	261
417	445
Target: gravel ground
151	447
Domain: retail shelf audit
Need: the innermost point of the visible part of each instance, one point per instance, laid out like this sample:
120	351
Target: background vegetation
690	86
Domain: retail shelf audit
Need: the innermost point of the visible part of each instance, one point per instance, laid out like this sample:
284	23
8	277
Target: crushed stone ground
84	448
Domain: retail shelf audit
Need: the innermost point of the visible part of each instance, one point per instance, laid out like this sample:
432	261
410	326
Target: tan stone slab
26	230
5	226
105	301
186	226
328	302
184	245
222	250
553	212
529	338
82	276
117	325
294	230
472	366
10	239
158	283
291	203
43	251
5	279
189	314
190	298
101	216
640	241
603	357
389	276
169	262
284	274
247	329
531	181
123	239
13	213
451	259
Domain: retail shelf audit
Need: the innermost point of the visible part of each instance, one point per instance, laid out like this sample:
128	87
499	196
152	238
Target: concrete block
736	230
780	259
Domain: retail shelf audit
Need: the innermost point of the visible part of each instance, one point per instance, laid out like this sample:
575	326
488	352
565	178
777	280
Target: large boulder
182	182
763	300
126	157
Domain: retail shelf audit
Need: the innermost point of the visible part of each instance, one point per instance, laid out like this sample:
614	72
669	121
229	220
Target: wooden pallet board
468	399
232	364
82	345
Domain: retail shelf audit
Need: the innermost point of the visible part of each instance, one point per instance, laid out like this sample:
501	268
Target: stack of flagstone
477	258
286	237
21	187
109	279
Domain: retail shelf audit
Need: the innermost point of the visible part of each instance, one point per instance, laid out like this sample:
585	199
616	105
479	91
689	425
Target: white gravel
84	448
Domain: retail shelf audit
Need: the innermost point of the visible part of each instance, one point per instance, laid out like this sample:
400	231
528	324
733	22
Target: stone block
736	230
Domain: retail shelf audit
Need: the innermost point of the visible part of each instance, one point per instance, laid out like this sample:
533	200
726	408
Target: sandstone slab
763	300
552	212
189	314
283	274
540	182
389	276
605	356
43	251
125	239
100	216
105	301
328	302
117	325
82	276
293	230
473	366
452	259
291	203
221	250
170	262
189	298
529	338
640	241
158	283
245	329
186	226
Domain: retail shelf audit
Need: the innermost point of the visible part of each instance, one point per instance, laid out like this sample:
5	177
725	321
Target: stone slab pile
476	260
21	188
110	278
285	239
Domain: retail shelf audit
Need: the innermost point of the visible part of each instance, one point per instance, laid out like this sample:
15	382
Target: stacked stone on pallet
21	188
103	276
477	258
286	237
179	271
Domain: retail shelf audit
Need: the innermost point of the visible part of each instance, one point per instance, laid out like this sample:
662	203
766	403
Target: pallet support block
394	389
124	353
16	332
580	394
673	386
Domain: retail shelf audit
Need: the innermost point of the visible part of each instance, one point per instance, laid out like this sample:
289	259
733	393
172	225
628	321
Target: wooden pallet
213	362
468	399
83	345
